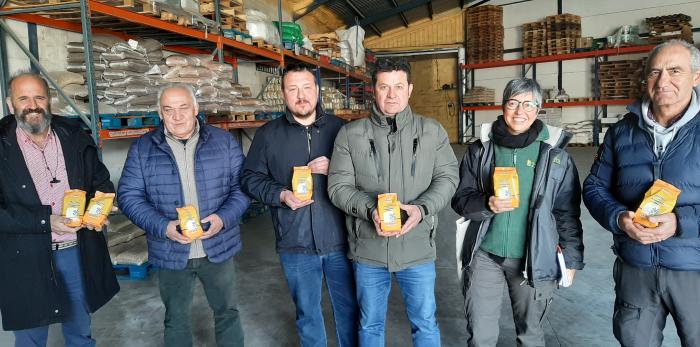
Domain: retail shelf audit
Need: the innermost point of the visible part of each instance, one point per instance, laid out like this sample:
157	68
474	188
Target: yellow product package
389	212
189	222
505	184
659	199
302	183
73	207
98	209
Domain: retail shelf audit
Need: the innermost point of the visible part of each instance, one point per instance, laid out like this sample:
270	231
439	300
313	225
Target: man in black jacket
311	237
51	273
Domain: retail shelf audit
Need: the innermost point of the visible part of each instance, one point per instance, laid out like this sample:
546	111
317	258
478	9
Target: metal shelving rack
466	77
100	18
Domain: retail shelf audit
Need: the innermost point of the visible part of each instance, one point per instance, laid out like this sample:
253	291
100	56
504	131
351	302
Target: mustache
37	110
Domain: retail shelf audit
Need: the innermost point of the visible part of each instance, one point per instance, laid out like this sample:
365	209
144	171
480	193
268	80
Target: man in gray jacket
393	151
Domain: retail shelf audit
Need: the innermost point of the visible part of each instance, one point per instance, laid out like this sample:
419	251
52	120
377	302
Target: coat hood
663	136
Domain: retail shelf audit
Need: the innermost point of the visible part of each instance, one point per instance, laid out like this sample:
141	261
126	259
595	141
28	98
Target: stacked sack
213	84
73	86
127	74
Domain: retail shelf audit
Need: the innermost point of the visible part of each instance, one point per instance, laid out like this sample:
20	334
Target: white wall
599	18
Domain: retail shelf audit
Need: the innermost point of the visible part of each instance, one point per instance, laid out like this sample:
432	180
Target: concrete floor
580	316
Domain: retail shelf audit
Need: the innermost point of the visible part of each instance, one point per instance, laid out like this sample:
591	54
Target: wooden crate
479	96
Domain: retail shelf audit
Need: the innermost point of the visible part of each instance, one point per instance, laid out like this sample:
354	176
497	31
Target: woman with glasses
517	247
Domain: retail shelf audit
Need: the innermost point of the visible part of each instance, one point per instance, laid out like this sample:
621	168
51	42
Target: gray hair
694	53
521	86
185	86
28	73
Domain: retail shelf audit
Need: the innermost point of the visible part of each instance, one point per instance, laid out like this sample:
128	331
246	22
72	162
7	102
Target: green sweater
507	232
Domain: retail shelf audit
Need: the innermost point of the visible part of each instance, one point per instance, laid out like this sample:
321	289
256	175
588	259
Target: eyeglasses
528	105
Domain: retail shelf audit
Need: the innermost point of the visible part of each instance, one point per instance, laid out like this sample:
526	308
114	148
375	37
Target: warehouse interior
462	54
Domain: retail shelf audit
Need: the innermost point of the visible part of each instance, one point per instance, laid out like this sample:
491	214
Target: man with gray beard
51	273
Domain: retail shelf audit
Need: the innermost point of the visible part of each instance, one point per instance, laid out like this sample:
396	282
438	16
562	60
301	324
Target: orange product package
98	209
73	207
659	199
505	184
389	212
189	222
302	183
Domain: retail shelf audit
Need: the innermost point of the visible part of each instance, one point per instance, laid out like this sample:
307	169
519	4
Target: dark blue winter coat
624	169
150	191
278	146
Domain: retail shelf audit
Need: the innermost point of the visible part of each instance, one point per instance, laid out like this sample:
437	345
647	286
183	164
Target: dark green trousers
219	283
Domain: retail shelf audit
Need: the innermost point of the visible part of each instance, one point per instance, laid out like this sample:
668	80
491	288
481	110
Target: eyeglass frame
521	103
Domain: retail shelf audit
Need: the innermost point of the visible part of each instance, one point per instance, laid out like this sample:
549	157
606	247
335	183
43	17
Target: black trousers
646	296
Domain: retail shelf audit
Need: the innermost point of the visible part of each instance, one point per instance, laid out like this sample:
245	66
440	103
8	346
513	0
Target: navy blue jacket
150	190
624	169
278	146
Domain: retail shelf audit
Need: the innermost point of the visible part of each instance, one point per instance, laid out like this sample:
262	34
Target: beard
36	128
303	115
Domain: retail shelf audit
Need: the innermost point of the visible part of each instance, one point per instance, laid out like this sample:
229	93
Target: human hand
572	273
287	197
378	225
319	166
216	224
58	225
667	227
634	230
414	217
497	205
172	233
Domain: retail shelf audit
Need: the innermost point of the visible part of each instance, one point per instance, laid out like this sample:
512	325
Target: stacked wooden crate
479	96
562	31
534	40
232	13
620	79
665	28
326	44
484	34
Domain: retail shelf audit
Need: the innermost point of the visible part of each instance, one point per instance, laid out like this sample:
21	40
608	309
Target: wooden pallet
264	45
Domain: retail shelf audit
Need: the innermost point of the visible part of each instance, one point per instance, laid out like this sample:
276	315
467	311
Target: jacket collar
319	122
159	134
642	105
402	118
558	138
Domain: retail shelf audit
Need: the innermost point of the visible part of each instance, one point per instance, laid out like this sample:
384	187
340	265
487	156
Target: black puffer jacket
29	294
277	147
554	205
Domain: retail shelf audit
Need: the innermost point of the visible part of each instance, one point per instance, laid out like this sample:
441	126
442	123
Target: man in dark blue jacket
311	237
657	270
187	163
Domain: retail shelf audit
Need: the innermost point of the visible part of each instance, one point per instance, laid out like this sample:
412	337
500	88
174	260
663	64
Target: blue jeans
76	326
304	274
417	286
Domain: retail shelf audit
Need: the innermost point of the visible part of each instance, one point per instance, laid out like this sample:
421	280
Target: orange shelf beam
560	57
326	66
138	18
622	102
241	124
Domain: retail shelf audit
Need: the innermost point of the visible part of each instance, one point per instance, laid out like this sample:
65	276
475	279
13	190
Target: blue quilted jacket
623	171
150	190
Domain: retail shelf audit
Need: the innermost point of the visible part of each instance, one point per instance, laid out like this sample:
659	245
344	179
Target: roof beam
403	18
430	9
362	16
403	8
314	5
